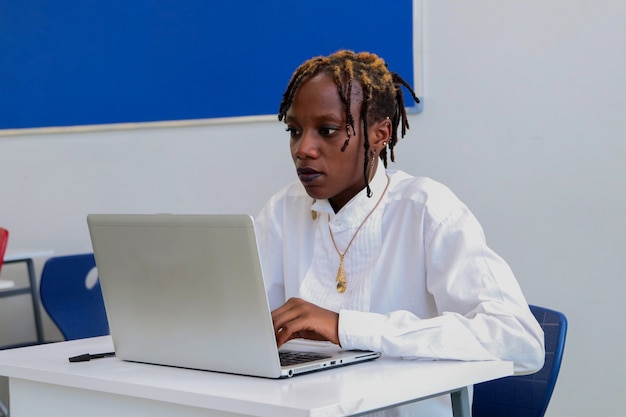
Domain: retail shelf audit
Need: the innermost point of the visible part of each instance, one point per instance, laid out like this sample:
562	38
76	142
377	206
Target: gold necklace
342	283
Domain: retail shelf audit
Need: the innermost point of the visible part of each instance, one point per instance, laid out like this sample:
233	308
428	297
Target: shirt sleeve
482	313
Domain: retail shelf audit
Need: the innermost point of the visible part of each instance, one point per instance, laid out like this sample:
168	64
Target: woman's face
317	126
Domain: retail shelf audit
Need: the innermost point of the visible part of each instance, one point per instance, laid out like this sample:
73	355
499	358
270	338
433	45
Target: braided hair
382	94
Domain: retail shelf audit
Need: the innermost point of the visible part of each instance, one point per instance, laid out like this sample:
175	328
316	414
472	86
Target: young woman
372	258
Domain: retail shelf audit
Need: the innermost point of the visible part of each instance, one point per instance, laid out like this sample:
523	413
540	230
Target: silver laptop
187	291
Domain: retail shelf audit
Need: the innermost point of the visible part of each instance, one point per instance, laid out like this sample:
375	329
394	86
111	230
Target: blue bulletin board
84	62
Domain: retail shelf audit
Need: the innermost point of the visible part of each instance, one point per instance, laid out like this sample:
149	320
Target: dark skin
317	125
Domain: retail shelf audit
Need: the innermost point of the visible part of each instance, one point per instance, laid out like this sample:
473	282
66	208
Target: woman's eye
293	132
328	131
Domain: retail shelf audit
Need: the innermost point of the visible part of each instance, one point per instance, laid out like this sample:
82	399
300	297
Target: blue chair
70	299
73	303
526	395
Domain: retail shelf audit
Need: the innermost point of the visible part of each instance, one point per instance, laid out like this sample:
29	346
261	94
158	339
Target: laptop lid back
185	290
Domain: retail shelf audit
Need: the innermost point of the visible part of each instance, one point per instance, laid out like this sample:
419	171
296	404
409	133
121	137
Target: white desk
43	382
26	256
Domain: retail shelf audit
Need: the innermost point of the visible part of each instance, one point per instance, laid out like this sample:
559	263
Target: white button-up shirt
421	281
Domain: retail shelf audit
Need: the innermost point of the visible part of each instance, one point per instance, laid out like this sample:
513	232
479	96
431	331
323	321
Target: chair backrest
75	306
526	395
4	239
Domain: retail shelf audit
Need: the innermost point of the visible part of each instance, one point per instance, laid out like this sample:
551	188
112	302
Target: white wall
525	118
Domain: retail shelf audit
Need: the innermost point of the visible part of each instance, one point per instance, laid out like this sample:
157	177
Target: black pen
87	356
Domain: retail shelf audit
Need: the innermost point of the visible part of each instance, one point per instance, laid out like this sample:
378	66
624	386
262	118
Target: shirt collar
360	205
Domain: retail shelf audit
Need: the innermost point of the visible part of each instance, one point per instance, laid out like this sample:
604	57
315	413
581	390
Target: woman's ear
380	133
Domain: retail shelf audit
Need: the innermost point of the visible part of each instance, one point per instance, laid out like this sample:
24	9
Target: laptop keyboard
289	357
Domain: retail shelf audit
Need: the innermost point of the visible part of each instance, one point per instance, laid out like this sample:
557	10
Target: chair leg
460	403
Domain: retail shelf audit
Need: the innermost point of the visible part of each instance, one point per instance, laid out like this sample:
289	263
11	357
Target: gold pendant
341	278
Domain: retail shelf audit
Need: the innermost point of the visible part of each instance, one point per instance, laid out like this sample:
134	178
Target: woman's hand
300	319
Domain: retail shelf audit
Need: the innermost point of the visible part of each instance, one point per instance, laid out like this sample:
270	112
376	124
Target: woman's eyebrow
329	116
319	118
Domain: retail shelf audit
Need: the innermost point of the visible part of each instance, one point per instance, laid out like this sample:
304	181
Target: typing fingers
300	319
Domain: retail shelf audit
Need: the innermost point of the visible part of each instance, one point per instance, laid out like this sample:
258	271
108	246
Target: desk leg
460	403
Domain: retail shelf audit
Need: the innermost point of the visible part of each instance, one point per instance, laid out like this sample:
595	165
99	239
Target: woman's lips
308	174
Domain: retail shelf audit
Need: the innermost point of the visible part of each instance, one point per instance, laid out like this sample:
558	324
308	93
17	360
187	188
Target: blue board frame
85	62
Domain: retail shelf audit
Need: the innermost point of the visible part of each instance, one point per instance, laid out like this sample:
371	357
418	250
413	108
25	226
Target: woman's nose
306	146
